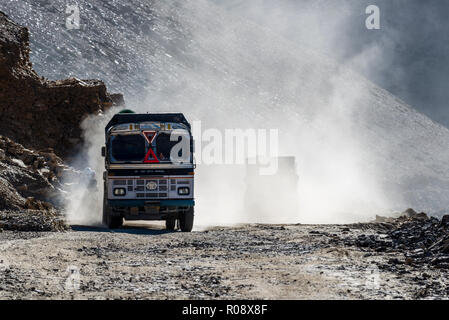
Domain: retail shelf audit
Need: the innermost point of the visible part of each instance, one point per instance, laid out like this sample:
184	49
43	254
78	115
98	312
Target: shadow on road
132	229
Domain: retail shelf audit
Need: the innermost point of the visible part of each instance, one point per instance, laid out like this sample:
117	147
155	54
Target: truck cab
149	170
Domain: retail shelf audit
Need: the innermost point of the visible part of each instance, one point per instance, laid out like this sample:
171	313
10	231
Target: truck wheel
106	210
170	224
110	221
186	220
115	222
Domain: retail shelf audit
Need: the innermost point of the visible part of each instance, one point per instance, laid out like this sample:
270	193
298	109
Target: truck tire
170	224
110	221
114	222
186	220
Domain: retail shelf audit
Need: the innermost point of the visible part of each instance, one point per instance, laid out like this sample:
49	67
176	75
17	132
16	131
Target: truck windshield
128	148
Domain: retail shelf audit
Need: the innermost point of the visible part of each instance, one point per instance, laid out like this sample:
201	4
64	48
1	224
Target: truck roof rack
120	118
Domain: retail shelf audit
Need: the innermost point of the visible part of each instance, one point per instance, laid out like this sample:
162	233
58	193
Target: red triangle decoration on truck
153	158
150	157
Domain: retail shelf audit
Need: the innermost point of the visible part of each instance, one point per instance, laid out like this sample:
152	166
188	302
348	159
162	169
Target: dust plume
85	201
231	73
228	72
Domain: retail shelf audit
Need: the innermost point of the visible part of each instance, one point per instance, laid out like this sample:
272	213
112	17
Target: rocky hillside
34	111
35	187
39	127
28	177
31	188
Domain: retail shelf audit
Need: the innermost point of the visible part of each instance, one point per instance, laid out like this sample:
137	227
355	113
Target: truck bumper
143	203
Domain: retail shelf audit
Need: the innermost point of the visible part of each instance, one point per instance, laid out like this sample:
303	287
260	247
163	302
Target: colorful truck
149	170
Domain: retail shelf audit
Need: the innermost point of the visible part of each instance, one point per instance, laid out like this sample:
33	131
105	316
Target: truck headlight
183	191
119	191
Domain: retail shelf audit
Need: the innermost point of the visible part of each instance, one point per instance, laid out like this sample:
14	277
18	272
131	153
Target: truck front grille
138	187
162	185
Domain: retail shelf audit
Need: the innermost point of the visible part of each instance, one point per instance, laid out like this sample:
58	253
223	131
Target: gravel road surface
143	261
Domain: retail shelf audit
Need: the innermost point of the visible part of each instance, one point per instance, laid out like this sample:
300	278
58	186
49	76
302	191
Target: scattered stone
410	213
444	221
423	240
32	220
394	261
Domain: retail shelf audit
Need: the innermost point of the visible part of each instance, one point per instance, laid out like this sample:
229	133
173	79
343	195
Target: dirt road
244	262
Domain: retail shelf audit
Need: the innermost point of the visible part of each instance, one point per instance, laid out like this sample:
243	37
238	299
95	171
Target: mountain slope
36	112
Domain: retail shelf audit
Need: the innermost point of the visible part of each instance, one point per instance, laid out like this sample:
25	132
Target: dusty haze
228	72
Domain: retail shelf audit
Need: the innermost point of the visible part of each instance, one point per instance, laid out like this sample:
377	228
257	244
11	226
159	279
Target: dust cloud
228	72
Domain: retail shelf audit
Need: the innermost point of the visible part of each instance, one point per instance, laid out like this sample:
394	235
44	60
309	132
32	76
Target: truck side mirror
103	151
